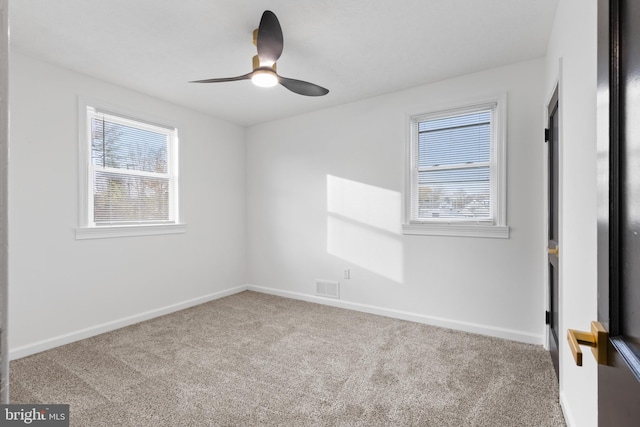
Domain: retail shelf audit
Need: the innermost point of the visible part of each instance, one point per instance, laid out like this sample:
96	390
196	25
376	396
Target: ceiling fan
269	42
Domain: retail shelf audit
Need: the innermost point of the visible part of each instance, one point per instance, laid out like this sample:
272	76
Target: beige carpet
258	360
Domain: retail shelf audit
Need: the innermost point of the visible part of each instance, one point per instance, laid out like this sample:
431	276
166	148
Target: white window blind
453	167
133	171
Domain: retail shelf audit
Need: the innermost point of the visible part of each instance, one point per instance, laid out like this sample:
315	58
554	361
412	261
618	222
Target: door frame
4	160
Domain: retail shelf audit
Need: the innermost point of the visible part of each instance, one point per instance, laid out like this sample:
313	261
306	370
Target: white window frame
496	226
87	228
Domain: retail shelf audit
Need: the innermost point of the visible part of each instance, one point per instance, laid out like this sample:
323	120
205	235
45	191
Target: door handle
554	251
597	339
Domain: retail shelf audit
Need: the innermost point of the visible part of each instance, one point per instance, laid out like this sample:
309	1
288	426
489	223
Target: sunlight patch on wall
374	206
364	226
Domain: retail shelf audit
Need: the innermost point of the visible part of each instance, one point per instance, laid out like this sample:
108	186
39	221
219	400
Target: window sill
458	230
129	230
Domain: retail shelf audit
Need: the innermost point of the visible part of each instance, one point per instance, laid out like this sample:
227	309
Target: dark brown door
619	209
554	259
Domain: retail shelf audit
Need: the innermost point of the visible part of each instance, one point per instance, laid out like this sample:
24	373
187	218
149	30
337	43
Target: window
456	172
131	179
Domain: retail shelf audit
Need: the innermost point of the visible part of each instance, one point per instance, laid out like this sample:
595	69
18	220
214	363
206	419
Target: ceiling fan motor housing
256	64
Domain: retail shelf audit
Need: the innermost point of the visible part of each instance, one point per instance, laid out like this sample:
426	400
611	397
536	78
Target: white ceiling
355	48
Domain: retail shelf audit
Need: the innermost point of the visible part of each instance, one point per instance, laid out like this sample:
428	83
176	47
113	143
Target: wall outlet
347	273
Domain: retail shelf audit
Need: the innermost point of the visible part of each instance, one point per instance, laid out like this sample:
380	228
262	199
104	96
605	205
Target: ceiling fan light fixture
264	78
269	42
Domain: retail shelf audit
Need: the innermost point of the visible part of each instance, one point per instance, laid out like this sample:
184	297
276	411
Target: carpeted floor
258	360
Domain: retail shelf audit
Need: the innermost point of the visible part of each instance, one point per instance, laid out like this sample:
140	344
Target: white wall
572	60
62	288
350	158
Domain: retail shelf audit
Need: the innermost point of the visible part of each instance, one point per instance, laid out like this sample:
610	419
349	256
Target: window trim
104	232
86	228
493	228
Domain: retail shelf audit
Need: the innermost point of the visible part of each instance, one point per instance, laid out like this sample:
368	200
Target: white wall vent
327	288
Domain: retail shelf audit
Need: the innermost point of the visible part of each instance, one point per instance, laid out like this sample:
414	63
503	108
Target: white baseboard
37	347
566	410
476	328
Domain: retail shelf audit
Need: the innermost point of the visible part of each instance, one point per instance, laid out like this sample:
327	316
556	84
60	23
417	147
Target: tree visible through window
133	171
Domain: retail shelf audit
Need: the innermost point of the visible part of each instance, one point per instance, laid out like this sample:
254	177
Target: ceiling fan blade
224	79
302	88
270	41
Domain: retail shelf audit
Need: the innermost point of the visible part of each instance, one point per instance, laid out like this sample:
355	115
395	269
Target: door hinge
546	135
547	317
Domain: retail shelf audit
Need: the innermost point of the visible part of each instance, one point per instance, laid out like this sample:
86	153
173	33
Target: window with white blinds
132	171
456	172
